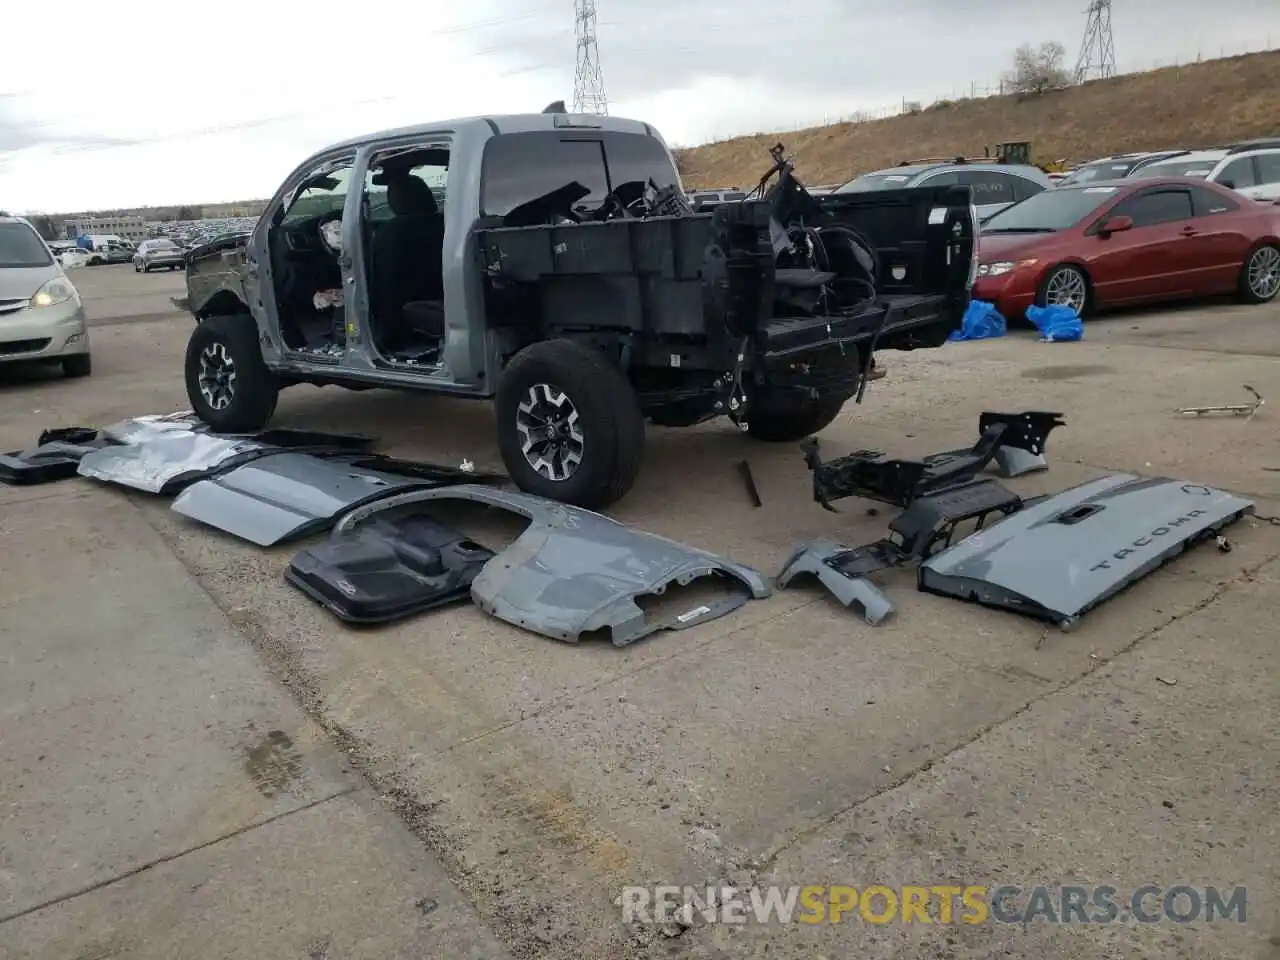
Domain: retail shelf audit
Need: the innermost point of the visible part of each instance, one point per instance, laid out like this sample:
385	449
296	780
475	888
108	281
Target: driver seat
406	261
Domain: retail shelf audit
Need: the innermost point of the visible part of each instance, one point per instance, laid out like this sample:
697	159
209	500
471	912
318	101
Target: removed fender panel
573	571
165	461
1063	555
163	454
138	429
388	568
285	495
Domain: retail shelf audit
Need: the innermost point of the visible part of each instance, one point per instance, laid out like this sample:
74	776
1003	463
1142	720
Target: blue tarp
1056	324
981	322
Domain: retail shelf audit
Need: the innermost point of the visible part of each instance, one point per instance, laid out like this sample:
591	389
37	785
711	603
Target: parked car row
1251	167
194	233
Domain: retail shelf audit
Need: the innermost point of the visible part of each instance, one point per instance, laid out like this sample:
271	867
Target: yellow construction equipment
1014	151
1019	151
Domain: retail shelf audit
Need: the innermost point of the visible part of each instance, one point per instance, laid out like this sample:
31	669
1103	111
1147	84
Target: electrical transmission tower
1097	49
588	83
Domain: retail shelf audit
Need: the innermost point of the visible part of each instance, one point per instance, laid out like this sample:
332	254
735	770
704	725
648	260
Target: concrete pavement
787	743
161	796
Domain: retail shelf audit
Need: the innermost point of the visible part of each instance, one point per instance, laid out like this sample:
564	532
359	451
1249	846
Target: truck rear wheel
779	418
569	425
228	384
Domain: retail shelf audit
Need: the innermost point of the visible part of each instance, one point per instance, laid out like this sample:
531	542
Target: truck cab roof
506	123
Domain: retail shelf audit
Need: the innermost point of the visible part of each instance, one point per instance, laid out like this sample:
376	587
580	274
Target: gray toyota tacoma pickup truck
551	262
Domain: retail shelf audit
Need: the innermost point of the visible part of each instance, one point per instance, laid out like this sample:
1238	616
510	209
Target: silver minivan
41	316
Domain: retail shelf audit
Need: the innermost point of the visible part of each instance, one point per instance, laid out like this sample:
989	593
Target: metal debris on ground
1168	681
749	479
1246	410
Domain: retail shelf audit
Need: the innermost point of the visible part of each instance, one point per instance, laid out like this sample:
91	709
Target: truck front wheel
569	424
228	384
781	418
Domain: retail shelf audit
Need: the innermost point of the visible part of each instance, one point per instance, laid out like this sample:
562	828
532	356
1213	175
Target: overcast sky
122	104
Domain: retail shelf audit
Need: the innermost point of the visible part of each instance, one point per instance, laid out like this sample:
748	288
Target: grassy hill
1192	106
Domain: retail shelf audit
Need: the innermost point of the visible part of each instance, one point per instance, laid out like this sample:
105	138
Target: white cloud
147	103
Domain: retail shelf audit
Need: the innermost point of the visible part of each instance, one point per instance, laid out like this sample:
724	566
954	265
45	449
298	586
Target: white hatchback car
41	315
1251	167
74	258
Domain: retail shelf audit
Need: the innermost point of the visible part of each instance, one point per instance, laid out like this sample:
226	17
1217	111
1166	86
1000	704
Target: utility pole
588	82
1098	49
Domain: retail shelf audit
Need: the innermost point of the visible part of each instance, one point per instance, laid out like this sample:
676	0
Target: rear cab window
871	182
522	167
988	187
1102	170
1194	167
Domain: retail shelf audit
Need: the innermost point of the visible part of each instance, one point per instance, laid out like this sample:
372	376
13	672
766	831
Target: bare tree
44	226
1037	69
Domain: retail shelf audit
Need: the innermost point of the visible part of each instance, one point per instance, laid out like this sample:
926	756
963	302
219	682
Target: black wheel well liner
223	303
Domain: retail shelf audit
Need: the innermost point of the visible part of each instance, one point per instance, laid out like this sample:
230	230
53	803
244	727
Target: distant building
131	228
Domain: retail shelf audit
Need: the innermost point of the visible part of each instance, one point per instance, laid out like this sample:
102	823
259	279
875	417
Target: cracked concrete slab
146	753
113	670
1118	779
283	890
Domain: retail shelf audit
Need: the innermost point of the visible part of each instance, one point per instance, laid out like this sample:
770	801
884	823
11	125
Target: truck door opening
304	263
403	233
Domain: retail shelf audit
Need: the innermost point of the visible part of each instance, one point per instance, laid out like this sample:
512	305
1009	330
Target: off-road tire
1245	292
609	415
777	417
79	365
256	390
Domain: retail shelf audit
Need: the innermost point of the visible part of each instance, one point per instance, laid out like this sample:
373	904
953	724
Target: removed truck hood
573	571
1064	554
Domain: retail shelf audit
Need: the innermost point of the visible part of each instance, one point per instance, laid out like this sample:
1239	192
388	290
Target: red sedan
1100	245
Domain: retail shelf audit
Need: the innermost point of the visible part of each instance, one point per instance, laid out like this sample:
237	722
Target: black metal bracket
1027	431
866	473
929	524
